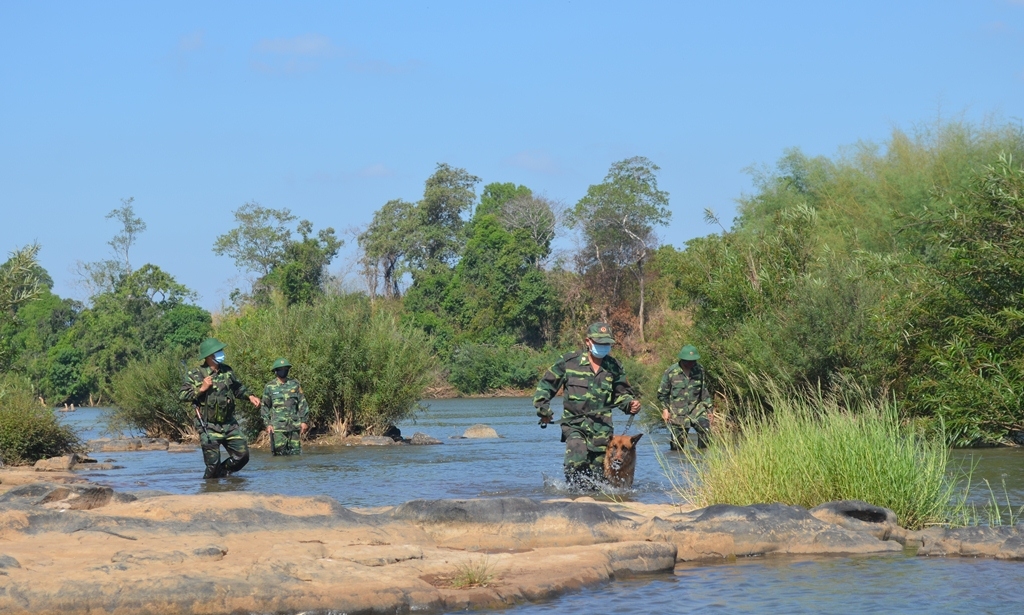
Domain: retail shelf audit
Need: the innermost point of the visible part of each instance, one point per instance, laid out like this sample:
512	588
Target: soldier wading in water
211	389
284	411
595	383
685	400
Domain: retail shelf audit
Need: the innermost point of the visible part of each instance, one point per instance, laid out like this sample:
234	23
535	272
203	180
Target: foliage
473	573
28	430
386	245
145	396
478	368
20	279
812	450
358	364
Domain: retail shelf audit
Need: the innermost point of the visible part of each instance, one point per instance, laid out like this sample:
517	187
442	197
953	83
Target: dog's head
620	449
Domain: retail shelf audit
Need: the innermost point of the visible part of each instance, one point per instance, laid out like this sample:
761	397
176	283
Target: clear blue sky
331	109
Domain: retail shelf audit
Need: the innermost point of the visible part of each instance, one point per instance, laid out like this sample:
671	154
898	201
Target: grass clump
812	449
28	430
474	573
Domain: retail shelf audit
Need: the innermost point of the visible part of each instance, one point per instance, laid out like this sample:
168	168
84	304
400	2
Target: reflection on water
526	462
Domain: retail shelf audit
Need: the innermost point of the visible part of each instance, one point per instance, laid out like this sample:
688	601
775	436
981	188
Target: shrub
145	395
29	431
811	450
478	368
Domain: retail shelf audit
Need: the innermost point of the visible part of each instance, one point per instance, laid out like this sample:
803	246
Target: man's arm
623	394
303	408
189	391
547	388
266	403
665	389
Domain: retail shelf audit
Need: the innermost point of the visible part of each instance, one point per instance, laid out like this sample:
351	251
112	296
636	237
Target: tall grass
145	395
812	449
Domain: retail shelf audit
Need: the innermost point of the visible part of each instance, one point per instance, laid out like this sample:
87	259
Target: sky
330	109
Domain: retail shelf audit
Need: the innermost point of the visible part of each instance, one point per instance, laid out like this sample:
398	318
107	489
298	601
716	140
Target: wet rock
1001	542
480	431
99	466
377	441
723	531
419	438
56	464
122	445
502	510
860	516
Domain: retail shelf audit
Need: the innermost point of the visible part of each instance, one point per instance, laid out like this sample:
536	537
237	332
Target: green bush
812	450
478	368
29	431
145	395
358	364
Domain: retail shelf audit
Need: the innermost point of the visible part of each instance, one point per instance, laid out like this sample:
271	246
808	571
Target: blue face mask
218	356
600	350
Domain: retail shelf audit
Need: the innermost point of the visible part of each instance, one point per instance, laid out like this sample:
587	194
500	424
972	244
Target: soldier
284	410
212	389
594	384
685	399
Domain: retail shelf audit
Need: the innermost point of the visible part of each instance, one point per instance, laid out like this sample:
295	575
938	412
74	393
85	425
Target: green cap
689	353
209	346
601	333
280	362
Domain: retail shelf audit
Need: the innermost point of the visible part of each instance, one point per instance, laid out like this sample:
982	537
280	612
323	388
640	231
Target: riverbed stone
378	441
122	445
859	516
56	464
422	439
1000	542
181	447
480	431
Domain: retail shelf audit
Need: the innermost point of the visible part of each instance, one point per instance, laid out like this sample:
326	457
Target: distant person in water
685	400
284	410
212	389
595	384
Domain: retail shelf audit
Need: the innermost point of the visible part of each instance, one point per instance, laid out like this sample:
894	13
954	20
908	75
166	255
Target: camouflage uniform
217	407
284	408
587	415
688	401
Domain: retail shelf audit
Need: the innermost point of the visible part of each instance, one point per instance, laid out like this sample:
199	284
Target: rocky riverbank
70	546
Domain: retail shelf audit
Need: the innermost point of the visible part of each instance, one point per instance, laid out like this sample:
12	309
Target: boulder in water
480	431
420	438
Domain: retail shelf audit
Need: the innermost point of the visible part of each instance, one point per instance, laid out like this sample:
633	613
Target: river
526	462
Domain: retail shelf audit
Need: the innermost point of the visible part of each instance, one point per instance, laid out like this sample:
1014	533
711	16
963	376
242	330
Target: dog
620	461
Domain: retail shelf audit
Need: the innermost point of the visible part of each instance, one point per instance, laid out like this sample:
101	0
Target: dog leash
629	423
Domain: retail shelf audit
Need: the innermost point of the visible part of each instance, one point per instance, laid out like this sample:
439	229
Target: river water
526	462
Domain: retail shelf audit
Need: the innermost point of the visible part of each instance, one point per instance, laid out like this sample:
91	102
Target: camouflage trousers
585	445
234	443
285	441
679	428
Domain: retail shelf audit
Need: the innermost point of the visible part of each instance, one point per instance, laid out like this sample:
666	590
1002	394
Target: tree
21	279
446	195
262	243
535	216
386	244
617	219
102	276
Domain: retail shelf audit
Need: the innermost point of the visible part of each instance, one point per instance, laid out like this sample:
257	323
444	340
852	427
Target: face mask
218	356
600	350
282	373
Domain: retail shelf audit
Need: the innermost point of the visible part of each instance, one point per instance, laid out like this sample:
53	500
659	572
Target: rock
480	431
181	447
393	432
423	439
212	552
56	464
502	511
1001	542
861	517
377	441
6	561
99	466
122	445
379	555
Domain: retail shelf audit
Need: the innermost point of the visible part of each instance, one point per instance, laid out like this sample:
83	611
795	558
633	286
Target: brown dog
620	461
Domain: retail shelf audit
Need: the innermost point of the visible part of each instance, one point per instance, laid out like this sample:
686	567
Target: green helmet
601	333
280	362
689	353
209	346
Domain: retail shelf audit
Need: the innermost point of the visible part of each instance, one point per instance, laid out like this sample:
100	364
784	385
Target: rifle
195	406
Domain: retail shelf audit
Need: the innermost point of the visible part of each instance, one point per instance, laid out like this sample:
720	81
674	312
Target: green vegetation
474	573
811	449
28	430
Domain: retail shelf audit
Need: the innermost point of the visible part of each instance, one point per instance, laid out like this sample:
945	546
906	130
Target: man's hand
254	400
302	428
634	406
270	429
207	383
664	414
545	421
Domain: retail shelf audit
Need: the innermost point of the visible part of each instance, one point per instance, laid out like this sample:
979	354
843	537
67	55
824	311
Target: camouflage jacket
684	395
586	393
283	405
216	404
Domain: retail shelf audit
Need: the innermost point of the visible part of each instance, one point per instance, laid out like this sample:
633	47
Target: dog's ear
636	438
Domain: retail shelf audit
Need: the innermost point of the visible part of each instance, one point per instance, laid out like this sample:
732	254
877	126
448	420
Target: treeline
892	270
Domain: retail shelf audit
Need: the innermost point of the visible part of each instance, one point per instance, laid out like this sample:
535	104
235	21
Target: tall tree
386	245
102	276
447	194
20	279
617	219
258	242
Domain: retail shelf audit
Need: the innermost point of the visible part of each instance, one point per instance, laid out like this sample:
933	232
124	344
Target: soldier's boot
236	460
211	457
676	437
215	471
703	429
